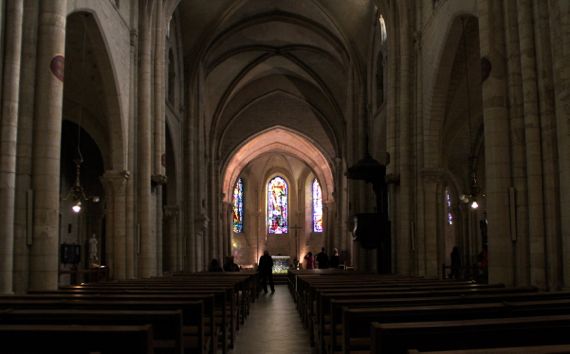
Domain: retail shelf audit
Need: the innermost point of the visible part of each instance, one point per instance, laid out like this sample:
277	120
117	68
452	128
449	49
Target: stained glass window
449	209
277	206
317	207
237	207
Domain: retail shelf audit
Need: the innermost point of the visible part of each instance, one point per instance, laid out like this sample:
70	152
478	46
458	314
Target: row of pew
351	312
182	313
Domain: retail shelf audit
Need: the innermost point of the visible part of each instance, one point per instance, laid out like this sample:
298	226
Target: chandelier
77	192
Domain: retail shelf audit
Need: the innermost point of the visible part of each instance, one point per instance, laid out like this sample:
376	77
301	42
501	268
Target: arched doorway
82	208
93	136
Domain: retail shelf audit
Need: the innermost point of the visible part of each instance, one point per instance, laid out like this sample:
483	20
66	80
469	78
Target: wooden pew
540	349
224	313
76	339
166	325
320	312
513	299
356	322
193	312
396	338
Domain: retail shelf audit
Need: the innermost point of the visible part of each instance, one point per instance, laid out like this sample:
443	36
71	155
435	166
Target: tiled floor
273	326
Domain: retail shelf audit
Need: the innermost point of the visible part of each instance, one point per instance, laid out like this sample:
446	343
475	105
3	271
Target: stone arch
283	140
99	48
437	100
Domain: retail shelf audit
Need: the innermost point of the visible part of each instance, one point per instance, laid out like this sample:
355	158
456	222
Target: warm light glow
77	207
474	205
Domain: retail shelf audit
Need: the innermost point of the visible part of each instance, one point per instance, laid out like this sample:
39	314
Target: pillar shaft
23	227
171	217
147	257
404	258
159	90
497	157
115	195
533	144
518	168
47	145
8	140
560	37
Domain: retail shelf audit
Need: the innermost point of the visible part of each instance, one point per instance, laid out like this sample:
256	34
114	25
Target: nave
273	326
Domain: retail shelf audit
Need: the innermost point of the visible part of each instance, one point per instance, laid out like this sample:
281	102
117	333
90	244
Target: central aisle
273	326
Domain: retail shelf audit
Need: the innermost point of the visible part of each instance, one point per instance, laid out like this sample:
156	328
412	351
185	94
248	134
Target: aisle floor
273	326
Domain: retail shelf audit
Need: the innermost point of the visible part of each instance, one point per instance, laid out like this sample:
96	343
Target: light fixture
77	207
77	193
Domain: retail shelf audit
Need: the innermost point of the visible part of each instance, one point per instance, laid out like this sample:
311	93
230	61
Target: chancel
152	151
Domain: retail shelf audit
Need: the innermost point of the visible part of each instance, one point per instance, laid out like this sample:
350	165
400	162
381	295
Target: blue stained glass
317	207
237	207
277	206
449	210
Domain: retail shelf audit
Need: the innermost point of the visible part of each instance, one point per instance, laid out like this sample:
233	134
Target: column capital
115	180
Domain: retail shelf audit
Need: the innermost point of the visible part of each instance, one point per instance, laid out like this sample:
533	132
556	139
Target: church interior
421	144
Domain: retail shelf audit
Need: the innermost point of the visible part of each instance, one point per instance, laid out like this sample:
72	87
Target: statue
93	250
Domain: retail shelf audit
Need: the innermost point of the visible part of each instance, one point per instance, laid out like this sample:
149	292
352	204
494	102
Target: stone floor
273	326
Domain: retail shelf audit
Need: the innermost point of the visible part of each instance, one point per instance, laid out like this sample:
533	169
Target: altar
281	264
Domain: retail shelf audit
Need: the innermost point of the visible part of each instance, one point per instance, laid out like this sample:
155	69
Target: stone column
132	188
8	139
147	258
23	226
328	229
47	145
559	33
171	214
159	124
428	245
404	255
518	148
497	144
115	194
533	145
548	129
227	209
159	90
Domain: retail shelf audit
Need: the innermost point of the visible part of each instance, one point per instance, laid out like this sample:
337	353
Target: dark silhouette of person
230	265
265	270
455	263
309	261
335	259
215	266
323	259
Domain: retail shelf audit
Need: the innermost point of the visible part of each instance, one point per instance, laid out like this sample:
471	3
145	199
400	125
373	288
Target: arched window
448	207
277	206
317	207
237	207
383	34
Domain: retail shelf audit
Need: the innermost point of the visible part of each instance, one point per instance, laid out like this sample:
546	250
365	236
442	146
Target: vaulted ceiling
263	63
